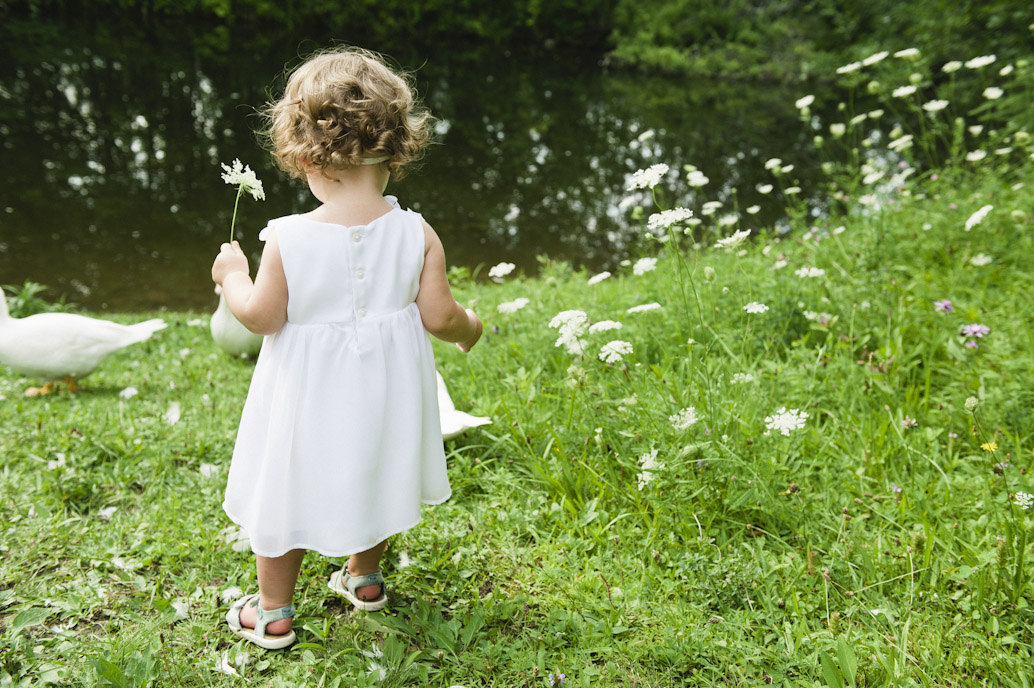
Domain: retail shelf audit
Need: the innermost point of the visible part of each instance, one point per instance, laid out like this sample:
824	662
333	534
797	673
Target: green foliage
25	300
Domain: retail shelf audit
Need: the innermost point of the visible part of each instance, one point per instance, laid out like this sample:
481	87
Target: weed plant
800	456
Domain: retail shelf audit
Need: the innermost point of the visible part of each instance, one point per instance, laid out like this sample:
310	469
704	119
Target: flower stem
236	202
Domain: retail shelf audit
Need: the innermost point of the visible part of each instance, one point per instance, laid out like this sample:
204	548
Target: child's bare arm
260	306
441	315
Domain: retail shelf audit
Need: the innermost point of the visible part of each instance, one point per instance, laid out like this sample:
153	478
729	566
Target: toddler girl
339	441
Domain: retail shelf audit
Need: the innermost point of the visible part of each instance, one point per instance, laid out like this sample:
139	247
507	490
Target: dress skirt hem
327	552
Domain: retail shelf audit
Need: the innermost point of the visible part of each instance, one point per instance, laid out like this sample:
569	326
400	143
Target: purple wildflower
971	344
908	422
943	306
894	488
975	330
953	435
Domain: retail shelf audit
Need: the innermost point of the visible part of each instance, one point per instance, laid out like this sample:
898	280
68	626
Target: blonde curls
343	106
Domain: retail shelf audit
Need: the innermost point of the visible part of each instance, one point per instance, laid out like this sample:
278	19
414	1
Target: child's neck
351	196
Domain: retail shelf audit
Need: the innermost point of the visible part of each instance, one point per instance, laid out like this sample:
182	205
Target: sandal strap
266	617
353	583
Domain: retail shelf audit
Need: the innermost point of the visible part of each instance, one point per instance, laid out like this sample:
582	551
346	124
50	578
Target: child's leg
366	562
277	578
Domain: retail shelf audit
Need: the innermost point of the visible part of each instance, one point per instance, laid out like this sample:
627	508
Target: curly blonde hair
343	106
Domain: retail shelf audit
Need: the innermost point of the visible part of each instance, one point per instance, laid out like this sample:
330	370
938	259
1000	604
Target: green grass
854	551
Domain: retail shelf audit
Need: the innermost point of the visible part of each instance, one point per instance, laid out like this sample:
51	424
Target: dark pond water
112	137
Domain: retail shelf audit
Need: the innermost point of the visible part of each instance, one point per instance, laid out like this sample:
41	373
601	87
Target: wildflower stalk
236	202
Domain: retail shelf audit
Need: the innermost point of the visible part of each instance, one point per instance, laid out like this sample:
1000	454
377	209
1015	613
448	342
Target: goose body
55	346
229	334
454	423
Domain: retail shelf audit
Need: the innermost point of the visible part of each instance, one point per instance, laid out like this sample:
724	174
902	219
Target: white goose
56	346
454	423
228	332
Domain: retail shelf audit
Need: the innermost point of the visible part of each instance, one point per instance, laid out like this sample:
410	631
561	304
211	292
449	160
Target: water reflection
112	145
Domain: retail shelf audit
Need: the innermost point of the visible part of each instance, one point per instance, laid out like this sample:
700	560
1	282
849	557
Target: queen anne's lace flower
644	307
978	217
809	271
644	265
648	178
513	306
982	61
667	218
784	421
241	175
1024	500
572	325
604	325
648	465
684	418
755	307
614	351
734	239
596	279
501	270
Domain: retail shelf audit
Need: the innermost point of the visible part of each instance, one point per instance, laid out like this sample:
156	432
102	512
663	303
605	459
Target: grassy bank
636	521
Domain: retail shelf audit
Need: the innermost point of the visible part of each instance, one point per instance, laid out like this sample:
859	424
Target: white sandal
258	635
345	584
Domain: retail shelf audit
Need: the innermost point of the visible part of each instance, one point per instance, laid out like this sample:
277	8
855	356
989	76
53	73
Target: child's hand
230	259
467	345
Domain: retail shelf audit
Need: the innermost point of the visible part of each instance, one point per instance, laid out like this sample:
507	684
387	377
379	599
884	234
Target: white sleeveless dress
340	441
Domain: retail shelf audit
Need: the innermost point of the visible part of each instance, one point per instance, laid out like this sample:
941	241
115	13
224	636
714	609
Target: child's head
345	107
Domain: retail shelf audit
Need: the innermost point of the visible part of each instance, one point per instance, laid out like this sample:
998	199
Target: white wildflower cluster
596	279
648	465
733	240
809	271
604	325
614	351
978	217
501	270
742	378
684	418
755	307
572	325
644	265
805	102
935	105
513	306
784	421
642	308
648	178
1024	500
242	176
980	260
696	178
901	143
667	218
825	319
980	62
710	207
